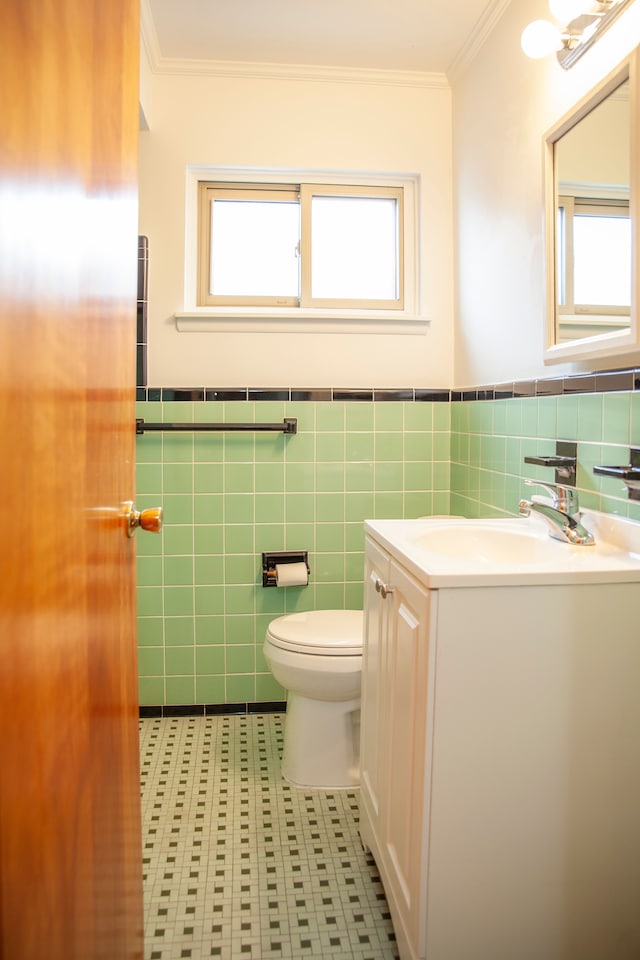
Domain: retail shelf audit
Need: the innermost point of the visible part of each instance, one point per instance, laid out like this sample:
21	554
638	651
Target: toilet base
321	743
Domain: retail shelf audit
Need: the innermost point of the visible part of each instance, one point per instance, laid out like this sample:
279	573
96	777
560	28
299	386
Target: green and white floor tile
238	864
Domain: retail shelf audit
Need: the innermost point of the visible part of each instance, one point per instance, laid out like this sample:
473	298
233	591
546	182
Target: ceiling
418	35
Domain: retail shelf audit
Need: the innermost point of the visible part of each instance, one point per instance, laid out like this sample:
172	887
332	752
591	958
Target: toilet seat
320	632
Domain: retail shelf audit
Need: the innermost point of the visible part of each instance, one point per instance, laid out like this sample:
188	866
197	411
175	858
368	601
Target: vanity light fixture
586	20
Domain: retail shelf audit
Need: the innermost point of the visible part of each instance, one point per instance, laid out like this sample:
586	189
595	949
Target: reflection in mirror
592	229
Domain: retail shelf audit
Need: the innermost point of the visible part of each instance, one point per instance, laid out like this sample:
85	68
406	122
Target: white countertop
455	552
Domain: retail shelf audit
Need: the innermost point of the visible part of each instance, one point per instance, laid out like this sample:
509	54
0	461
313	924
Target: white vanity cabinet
393	735
500	763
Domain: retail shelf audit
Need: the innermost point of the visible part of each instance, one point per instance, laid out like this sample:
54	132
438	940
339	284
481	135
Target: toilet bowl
317	657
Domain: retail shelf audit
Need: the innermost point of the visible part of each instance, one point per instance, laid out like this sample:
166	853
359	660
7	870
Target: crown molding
477	38
239	69
247	70
148	36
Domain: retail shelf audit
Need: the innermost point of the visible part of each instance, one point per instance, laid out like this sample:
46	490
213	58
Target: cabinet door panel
373	727
406	715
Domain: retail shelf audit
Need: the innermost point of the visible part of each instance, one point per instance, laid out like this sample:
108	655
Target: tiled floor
239	865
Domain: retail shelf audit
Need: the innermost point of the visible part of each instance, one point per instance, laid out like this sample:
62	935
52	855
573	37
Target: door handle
149	519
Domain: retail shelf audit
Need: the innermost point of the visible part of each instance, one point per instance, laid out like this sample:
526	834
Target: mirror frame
604	344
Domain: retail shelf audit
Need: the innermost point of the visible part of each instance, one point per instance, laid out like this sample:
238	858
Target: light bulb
540	39
568	10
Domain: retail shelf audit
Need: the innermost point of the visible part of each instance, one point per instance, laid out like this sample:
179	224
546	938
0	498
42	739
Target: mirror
591	225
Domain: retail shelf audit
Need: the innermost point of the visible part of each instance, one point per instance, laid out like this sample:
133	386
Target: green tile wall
490	439
202	610
227	497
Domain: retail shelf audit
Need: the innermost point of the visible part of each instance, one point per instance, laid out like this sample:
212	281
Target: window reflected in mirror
593	235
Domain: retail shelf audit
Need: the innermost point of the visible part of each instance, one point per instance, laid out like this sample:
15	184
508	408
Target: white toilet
317	657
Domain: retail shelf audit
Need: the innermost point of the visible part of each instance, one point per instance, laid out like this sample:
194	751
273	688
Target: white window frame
307	193
572	206
208	192
229	317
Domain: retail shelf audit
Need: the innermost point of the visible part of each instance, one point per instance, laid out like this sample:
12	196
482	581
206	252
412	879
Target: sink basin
488	544
459	552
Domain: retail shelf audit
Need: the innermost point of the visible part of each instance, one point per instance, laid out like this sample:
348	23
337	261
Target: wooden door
70	857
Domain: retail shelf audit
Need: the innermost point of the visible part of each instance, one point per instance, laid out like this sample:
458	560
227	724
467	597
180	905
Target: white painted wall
308	124
486	152
502	106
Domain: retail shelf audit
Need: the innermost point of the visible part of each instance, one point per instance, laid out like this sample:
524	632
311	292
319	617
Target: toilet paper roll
292	575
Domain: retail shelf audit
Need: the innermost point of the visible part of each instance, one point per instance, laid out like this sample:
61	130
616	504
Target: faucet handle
565	499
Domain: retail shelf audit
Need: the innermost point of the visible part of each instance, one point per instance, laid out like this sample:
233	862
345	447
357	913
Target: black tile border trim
293	394
604	382
211	709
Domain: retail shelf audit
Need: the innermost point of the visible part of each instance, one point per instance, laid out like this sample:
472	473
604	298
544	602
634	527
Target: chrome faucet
563	515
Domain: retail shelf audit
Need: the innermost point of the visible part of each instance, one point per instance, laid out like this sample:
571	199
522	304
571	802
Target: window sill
295	320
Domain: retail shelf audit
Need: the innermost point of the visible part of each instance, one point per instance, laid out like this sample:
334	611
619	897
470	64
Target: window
594	256
300	245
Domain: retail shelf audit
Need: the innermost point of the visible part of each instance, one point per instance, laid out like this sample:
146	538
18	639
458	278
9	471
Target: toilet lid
324	632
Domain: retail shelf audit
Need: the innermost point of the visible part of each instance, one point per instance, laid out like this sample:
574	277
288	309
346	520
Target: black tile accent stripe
267	706
618	380
605	381
503	391
432	396
212	709
550	388
180	394
143	271
223	395
580	384
141	313
257	394
149	713
321	394
525	388
609	380
141	364
386	395
353	394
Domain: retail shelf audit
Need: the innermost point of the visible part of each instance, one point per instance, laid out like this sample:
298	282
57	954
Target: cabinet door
406	722
374	680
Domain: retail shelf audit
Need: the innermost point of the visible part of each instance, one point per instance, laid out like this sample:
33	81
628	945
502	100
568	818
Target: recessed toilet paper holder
270	560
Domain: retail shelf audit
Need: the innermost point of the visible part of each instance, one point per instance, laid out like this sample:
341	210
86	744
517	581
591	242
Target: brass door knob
149	519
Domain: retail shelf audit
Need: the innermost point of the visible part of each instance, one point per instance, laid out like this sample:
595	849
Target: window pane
254	247
602	260
354	248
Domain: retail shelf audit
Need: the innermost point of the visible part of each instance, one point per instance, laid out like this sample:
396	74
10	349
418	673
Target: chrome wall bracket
563	461
629	474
